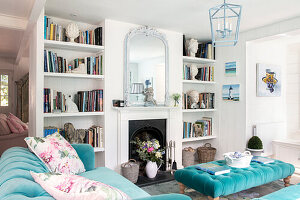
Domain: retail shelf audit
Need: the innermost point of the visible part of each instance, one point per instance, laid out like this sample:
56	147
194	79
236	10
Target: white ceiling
10	42
18	8
186	16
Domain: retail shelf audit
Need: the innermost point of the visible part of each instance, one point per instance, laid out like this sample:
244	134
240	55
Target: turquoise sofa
288	193
16	182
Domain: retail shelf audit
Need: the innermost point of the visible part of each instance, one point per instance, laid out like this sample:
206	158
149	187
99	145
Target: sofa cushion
16	125
4	129
57	153
73	187
24	125
288	193
114	179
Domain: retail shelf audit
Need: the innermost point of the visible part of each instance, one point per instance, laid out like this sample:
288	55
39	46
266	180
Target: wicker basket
130	170
206	153
188	156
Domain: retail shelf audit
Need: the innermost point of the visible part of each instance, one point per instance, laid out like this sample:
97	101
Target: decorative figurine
71	106
149	94
72	31
202	104
81	69
194	71
193	98
192	47
72	135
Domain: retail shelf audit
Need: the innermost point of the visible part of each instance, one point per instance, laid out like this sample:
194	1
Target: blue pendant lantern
225	24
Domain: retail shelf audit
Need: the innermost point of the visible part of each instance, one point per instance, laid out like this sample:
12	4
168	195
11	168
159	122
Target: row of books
50	130
206	101
94	136
93	65
204	73
58	64
54	101
90	101
57	32
54	63
93	37
200	128
53	31
206	50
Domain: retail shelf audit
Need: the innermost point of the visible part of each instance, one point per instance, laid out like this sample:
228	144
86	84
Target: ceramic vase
72	31
151	169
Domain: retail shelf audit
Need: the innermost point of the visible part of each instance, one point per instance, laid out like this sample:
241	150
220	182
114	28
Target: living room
151	96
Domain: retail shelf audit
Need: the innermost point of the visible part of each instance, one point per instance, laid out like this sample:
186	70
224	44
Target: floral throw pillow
57	154
73	187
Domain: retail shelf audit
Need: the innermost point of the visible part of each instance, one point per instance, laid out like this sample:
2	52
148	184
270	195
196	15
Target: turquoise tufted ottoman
235	181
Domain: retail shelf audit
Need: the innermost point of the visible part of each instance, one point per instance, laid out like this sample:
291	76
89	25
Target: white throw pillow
73	187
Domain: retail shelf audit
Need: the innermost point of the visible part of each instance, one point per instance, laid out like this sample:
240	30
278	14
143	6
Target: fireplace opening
146	130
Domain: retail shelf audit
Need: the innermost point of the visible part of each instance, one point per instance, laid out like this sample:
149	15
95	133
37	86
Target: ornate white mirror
146	73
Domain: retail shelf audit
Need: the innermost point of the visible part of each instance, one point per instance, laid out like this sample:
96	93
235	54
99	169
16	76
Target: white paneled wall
293	90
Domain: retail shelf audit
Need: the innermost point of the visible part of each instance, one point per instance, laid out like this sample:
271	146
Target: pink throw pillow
12	128
4	129
16	125
73	187
24	125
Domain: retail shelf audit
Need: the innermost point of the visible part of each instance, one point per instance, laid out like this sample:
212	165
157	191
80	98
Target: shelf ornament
225	24
72	31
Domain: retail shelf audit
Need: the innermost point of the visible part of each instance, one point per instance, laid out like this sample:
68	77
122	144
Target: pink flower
150	149
46	157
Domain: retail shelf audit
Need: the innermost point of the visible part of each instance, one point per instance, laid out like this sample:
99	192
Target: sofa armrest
167	197
86	154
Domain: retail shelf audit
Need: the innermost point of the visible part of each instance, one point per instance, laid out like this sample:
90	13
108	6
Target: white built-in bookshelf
71	83
192	115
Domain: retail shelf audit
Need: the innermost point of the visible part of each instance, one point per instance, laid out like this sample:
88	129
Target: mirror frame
147	31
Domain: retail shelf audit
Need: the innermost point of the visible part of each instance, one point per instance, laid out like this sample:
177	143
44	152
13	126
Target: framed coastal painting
231	92
268	80
230	68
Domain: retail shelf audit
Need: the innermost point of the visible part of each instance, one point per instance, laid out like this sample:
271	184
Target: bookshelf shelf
188	59
69	75
73	46
78	114
197	82
199	138
198	110
98	149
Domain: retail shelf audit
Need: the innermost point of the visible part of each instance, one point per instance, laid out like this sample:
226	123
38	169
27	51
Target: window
4	90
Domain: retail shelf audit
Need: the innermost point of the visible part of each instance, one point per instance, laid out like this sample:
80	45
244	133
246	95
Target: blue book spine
45	27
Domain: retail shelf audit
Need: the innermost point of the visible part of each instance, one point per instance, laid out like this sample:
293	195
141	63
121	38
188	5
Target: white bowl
242	162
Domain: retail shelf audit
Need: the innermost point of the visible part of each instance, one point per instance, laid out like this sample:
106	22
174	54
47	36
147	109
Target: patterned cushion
57	154
73	187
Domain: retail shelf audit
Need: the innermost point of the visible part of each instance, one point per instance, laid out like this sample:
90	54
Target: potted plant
176	98
150	152
255	146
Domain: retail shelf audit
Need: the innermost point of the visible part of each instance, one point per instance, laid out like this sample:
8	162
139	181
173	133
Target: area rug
172	187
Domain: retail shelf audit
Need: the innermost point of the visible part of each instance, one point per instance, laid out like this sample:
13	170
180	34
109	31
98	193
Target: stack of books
206	101
54	63
204	73
213	169
90	101
94	136
94	65
54	101
50	130
204	128
262	160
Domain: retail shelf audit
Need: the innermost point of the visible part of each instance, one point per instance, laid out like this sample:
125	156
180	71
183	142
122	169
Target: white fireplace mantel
125	114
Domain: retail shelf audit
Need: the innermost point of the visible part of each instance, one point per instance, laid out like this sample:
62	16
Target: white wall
293	90
115	33
232	135
266	113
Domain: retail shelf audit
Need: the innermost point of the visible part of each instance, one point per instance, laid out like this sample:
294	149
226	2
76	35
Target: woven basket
206	153
130	170
188	156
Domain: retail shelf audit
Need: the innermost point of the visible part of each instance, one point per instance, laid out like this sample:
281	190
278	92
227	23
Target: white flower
158	155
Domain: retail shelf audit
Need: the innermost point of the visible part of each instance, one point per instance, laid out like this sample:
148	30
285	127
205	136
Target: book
262	160
213	168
